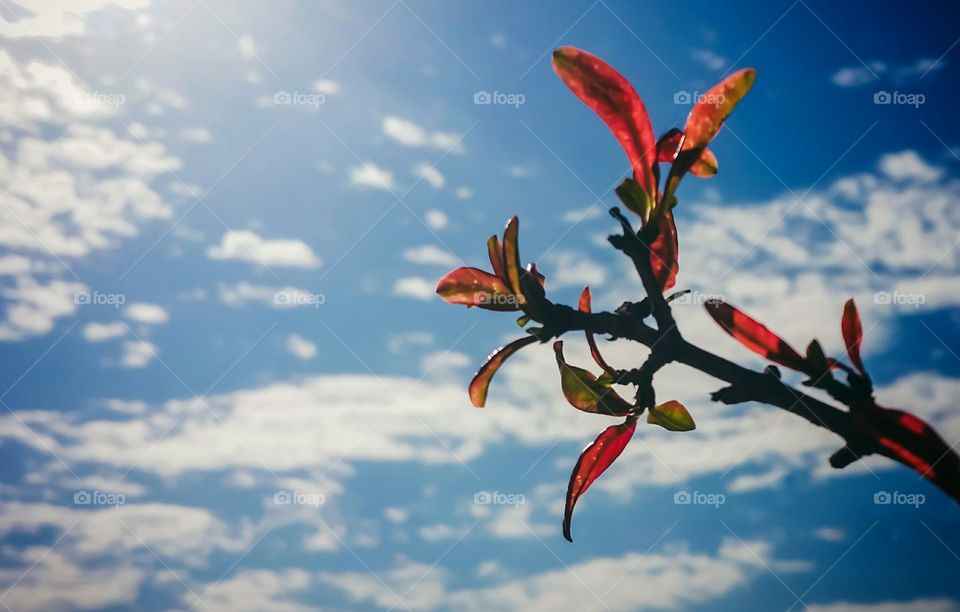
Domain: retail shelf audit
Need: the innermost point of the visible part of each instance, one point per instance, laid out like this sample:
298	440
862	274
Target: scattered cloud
709	59
148	314
300	347
245	245
463	193
58	18
855	76
198	135
430	174
409	134
327	87
100	332
429	254
436	219
371	175
137	353
414	287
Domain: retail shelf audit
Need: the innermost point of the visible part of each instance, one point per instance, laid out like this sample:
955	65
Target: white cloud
682	579
99	332
436	219
430	174
590	212
409	134
571	268
148	314
250	590
429	254
414	287
327	87
830	534
300	347
137	353
519	171
710	59
855	76
907	165
916	605
371	175
244	245
199	135
247	46
58	18
33	308
396	515
281	298
463	193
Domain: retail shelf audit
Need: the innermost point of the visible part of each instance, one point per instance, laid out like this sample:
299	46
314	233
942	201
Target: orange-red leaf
754	335
713	108
669	145
706	164
852	333
665	253
481	382
511	256
612	97
593	461
474	287
584	306
495	252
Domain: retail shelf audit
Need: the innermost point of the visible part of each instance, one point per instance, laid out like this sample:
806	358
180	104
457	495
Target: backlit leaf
672	416
495	252
594	460
511	256
706	164
474	287
669	145
481	381
713	108
635	198
612	97
584	392
665	252
852	333
754	335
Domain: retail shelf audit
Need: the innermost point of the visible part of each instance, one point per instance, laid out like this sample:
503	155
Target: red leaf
754	335
474	287
665	252
593	461
584	306
713	108
669	145
852	333
481	382
612	97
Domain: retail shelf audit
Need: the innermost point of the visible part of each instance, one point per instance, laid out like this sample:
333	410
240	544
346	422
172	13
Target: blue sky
222	226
